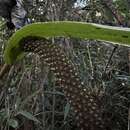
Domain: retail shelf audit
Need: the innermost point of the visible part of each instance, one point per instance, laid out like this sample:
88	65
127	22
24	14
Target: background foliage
29	98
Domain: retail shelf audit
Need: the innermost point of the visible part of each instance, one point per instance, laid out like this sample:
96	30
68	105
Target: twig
113	51
129	118
4	70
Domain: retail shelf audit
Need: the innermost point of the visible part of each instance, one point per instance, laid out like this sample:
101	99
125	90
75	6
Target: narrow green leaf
67	108
28	116
13	123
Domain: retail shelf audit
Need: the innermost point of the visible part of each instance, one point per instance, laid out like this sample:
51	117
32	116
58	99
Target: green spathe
65	29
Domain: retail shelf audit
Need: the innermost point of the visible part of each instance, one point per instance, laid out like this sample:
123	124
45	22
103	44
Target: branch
5	68
114	11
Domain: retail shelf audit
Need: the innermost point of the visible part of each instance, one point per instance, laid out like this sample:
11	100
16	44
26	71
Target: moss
66	29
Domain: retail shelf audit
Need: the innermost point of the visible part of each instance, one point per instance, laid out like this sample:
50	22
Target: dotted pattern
87	107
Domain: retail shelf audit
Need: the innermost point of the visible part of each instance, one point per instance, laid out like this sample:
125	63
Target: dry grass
29	94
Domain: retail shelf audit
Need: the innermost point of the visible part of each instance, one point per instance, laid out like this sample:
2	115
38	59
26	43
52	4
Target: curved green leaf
81	30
